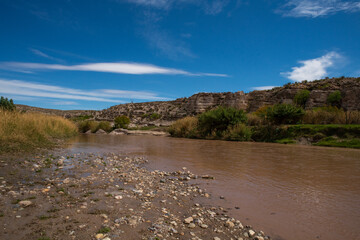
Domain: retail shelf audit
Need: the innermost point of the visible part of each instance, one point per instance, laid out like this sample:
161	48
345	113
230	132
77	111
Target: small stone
217	238
229	224
18	216
222	197
259	238
192	225
251	233
188	220
99	236
66	180
107	238
204	226
118	197
25	203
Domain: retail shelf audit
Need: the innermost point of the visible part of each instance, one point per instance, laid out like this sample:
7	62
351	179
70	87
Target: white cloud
120	68
62	103
263	88
313	69
42	54
30	89
317	8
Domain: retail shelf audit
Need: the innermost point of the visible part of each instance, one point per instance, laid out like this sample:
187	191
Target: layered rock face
163	113
198	103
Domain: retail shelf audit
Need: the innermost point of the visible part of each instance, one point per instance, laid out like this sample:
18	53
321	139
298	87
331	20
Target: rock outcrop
163	113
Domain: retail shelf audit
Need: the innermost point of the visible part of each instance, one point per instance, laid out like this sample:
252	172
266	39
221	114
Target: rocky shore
107	196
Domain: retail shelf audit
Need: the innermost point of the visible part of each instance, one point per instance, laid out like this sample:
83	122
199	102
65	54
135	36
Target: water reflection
296	192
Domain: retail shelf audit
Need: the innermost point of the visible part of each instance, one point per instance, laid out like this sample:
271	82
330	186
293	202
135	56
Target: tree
284	114
121	121
6	104
334	99
301	97
219	119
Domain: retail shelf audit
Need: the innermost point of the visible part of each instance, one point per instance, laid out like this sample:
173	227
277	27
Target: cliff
162	113
198	103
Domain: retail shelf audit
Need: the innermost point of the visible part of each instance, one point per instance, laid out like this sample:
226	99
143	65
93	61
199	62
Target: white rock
25	203
188	220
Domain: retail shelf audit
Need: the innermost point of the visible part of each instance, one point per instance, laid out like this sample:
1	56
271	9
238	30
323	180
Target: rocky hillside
162	113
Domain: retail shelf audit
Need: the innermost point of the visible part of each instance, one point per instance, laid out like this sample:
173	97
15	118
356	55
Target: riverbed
289	191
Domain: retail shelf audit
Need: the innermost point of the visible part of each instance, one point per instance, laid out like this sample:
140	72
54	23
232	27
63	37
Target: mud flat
107	196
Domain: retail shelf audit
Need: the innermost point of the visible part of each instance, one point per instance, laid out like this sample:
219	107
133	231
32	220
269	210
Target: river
288	191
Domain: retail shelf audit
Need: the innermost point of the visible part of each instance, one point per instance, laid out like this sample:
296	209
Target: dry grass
331	115
186	127
26	131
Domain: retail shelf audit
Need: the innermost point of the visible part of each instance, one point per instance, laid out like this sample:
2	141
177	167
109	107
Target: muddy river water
288	191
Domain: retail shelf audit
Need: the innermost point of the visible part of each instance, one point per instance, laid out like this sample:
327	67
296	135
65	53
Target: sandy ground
109	196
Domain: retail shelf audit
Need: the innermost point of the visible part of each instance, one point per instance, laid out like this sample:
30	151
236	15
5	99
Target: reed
27	131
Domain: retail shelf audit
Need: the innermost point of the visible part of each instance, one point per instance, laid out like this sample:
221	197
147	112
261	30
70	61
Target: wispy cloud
44	55
26	89
120	68
263	88
211	7
317	8
67	103
313	69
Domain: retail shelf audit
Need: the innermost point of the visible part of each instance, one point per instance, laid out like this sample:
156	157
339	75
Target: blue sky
92	54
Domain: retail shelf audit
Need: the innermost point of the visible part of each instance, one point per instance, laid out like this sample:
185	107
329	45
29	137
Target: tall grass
26	131
186	127
331	115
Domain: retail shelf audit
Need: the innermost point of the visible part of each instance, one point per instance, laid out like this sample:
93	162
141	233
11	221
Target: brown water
288	191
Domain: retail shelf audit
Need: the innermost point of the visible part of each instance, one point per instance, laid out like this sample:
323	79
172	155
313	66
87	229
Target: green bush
121	121
85	126
301	97
104	125
6	104
284	114
238	132
155	116
218	120
269	133
334	98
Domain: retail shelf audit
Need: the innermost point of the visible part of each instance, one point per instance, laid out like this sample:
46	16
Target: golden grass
331	115
186	127
27	131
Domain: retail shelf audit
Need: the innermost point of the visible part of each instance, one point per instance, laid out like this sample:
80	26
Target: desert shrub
284	114
261	112
104	125
121	121
27	131
238	132
155	116
334	98
6	104
186	127
301	97
85	126
219	119
254	120
81	118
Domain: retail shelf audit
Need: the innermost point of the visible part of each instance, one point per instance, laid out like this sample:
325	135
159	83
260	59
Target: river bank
107	196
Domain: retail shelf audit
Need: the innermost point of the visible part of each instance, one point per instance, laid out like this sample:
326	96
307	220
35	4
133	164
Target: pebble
192	225
99	236
217	238
188	220
229	224
251	233
204	226
25	203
